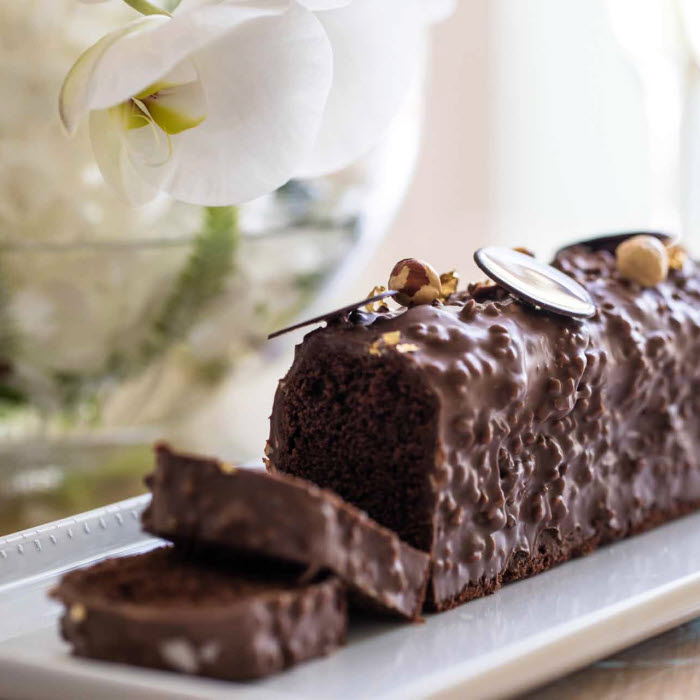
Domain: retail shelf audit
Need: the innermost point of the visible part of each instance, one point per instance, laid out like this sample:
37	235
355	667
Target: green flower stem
10	396
8	336
200	281
146	8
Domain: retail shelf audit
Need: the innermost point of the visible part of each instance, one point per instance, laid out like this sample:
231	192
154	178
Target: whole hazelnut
643	259
415	281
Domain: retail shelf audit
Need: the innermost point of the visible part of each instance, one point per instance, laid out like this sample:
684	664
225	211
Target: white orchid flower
226	100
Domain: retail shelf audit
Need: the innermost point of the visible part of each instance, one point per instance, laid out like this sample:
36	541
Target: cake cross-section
209	503
205	617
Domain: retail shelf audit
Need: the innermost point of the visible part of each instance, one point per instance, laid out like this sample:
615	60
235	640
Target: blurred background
531	123
538	129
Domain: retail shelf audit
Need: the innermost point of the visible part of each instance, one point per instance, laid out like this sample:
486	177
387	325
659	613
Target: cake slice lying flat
499	438
207	502
162	611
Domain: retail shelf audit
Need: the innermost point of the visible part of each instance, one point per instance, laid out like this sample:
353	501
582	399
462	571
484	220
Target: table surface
667	666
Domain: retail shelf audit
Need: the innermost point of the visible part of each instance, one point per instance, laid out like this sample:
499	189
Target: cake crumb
77	612
179	654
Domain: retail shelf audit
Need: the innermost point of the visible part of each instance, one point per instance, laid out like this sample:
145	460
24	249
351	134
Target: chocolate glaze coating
551	434
200	500
160	611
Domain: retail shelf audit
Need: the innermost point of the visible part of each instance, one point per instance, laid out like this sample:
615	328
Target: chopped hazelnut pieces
227	467
388	339
448	281
482	290
377	306
676	256
415	281
643	259
391	338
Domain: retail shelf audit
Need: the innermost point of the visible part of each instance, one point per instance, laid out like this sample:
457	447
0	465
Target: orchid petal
163	5
256	130
74	100
182	73
375	56
135	60
320	5
110	149
148	148
188	5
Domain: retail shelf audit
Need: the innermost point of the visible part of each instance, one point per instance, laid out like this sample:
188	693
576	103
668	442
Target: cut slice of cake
205	502
162	610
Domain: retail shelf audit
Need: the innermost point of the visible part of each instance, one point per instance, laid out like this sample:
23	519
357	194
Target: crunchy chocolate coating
203	501
161	611
544	435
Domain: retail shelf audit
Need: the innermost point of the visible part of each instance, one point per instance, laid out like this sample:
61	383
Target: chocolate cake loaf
161	610
500	438
203	501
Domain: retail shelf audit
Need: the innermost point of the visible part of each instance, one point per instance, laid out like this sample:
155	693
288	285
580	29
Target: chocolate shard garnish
333	314
610	241
534	282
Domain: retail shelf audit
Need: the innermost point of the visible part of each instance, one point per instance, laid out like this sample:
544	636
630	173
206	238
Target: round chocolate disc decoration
534	282
610	241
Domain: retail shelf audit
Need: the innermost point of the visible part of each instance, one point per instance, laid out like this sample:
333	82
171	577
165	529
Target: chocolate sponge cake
202	501
164	611
500	438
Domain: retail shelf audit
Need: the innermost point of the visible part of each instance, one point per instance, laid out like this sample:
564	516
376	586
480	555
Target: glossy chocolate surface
549	428
610	241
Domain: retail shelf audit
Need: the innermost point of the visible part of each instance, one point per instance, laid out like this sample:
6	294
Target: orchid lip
165	105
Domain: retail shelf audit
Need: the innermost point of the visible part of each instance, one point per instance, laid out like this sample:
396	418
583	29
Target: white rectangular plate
529	632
